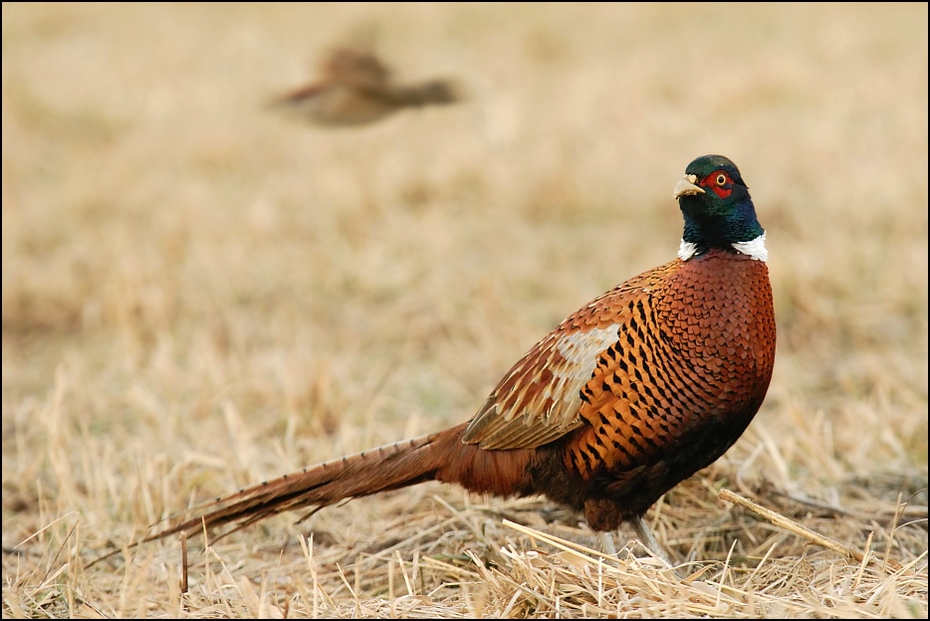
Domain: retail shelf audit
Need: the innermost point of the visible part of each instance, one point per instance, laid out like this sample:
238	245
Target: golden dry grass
198	295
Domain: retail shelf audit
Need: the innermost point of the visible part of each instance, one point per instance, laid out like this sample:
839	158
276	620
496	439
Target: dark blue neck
709	231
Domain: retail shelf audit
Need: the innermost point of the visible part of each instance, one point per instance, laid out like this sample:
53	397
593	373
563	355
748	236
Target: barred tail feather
385	468
441	456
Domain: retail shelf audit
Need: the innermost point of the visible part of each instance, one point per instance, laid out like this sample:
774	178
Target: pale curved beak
686	187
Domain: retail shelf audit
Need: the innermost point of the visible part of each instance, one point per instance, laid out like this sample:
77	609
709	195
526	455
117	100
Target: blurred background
199	292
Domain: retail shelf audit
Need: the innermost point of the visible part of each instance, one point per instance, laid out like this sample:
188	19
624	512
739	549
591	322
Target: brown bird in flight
356	88
631	394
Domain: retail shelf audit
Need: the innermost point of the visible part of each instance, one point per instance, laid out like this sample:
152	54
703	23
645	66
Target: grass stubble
198	296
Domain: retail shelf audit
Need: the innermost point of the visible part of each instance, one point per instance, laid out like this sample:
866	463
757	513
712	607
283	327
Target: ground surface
199	295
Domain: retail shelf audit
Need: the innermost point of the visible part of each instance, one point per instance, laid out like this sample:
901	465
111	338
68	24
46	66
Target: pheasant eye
721	179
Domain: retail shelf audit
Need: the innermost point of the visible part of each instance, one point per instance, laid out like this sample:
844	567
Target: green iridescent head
716	206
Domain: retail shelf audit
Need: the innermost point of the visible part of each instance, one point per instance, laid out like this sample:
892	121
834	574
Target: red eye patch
723	190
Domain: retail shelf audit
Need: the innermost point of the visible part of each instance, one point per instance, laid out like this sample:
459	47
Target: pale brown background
199	295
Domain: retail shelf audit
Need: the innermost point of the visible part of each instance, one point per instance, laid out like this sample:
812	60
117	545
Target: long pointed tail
440	456
385	468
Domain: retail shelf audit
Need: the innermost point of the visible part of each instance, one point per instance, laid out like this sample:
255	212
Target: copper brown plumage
636	391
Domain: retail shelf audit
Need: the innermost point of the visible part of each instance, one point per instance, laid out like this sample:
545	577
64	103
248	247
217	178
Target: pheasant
356	89
628	396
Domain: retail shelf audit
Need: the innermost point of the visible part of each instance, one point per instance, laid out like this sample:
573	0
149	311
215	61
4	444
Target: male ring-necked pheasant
631	394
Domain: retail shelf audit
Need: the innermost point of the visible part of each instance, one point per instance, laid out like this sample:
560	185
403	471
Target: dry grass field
199	294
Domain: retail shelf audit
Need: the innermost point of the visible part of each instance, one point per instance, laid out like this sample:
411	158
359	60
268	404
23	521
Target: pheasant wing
539	400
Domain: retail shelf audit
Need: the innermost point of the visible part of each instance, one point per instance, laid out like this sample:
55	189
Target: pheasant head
718	210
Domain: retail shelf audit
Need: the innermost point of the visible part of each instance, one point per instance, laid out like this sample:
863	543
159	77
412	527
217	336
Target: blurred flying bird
356	88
